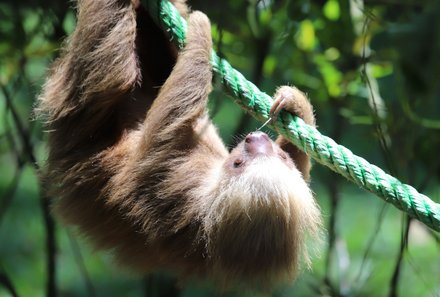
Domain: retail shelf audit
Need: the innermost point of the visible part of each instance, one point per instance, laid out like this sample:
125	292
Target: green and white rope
323	149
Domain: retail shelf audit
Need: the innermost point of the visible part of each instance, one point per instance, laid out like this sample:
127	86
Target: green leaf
305	38
331	10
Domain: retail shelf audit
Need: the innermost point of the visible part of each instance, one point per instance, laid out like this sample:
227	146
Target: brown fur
146	175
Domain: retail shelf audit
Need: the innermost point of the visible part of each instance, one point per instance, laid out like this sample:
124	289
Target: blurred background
371	69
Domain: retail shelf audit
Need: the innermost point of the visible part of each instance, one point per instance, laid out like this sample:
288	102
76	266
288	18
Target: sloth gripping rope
321	148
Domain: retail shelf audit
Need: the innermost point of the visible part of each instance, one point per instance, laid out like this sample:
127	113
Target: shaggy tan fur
146	175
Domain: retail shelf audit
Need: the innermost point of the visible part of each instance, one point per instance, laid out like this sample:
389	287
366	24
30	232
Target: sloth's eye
238	163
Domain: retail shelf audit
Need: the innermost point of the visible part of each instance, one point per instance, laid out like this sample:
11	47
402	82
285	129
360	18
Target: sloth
135	164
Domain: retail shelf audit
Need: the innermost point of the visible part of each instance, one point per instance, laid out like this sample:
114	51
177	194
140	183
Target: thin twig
6	282
394	283
44	201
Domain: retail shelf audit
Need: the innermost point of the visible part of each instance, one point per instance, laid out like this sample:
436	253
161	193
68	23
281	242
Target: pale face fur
266	205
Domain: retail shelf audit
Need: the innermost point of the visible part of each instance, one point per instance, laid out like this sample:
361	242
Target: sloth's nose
257	143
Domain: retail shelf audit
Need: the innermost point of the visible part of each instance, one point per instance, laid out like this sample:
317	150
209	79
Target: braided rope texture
321	148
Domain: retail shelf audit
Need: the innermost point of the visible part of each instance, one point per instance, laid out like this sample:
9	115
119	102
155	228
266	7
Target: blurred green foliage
371	69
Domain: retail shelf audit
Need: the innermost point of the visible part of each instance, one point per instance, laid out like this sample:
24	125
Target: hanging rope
323	149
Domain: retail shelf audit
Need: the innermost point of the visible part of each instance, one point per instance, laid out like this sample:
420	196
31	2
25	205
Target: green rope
323	149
